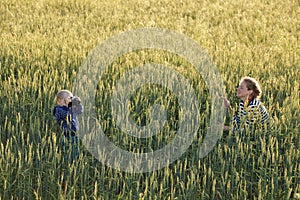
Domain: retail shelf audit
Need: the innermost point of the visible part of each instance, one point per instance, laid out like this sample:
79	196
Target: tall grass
43	45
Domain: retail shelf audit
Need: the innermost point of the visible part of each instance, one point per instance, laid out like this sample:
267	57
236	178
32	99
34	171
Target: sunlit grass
43	45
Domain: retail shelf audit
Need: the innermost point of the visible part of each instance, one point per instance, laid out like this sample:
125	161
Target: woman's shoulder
255	102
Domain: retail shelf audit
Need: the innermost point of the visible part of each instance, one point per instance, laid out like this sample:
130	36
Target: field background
44	43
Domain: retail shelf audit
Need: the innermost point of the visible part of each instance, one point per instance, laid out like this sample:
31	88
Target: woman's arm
227	105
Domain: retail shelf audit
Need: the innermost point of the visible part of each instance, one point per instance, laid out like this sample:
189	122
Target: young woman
251	112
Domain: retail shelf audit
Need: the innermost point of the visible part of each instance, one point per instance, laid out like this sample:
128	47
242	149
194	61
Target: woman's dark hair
253	85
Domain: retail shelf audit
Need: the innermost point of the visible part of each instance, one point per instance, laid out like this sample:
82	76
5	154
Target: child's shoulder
58	108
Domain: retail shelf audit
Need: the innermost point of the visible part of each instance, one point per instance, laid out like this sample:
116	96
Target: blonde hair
253	85
62	94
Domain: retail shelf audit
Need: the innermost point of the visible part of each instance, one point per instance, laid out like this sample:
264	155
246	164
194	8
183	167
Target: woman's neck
244	99
247	99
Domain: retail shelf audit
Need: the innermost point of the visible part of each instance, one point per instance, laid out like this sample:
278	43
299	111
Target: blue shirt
67	117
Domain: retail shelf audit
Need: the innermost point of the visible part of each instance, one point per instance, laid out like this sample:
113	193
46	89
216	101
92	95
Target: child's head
64	97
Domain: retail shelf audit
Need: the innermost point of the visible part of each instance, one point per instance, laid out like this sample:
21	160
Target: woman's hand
226	128
227	104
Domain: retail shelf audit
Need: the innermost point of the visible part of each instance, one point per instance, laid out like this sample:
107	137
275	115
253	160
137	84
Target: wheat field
43	45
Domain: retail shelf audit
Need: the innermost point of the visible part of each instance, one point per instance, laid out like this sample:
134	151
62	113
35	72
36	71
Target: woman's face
242	91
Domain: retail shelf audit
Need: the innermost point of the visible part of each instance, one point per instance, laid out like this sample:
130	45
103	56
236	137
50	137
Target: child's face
66	100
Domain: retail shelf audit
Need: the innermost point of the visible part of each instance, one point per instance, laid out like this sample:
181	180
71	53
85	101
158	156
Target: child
66	115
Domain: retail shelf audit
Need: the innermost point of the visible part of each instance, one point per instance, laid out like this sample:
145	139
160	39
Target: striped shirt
253	115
